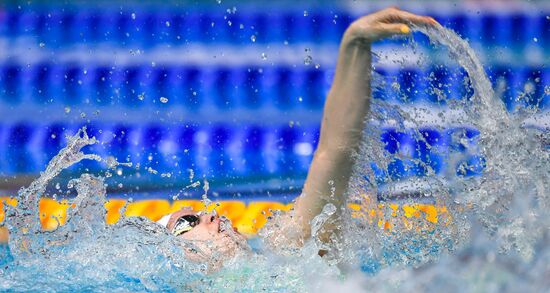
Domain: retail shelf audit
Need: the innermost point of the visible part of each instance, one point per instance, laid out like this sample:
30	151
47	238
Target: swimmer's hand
385	23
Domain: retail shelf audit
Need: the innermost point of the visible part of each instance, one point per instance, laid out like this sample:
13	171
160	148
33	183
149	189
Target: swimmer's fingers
390	29
385	23
377	30
396	15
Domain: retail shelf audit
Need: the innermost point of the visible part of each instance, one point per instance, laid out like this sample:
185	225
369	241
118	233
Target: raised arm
344	113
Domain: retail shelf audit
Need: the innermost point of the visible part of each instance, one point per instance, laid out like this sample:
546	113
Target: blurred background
232	91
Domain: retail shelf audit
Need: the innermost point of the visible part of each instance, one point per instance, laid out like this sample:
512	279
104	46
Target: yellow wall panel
248	219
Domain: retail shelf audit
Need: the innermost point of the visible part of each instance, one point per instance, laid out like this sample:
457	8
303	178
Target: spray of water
496	237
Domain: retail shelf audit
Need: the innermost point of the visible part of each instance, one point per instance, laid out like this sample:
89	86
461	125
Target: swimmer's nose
208	217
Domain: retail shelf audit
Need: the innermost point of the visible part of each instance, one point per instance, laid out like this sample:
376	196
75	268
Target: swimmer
343	120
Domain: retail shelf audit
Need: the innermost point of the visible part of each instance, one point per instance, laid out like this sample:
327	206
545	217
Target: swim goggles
185	224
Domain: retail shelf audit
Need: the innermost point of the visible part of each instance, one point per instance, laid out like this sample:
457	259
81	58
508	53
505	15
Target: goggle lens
185	224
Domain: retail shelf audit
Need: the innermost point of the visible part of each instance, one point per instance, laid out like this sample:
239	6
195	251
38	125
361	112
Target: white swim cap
164	220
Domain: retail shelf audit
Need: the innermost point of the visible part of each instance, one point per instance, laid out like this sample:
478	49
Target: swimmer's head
211	239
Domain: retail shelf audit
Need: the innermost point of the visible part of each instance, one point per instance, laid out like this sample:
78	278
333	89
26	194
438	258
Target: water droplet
253	38
141	96
317	66
264	56
133	16
42	45
163	100
82	115
305	13
307	60
53	136
535	39
67	109
167	23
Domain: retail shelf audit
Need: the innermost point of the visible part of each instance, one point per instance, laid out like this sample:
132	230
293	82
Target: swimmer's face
213	236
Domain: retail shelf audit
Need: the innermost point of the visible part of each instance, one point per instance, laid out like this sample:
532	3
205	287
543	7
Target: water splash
497	237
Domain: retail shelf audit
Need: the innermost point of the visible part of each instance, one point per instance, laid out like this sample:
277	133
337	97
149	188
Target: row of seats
228	88
248	218
139	27
227	151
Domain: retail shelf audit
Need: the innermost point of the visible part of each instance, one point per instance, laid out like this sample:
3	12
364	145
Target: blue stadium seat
286	88
53	141
495	29
220	160
162	86
275	29
10	83
253	146
177	26
27	23
11	20
314	88
119	146
153	136
251	88
103	86
129	29
401	143
192	91
192	27
225	88
430	149
522	30
439	85
304	146
133	92
543	25
18	156
42	82
50	28
298	27
72	84
412	84
101	26
186	147
381	78
288	137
